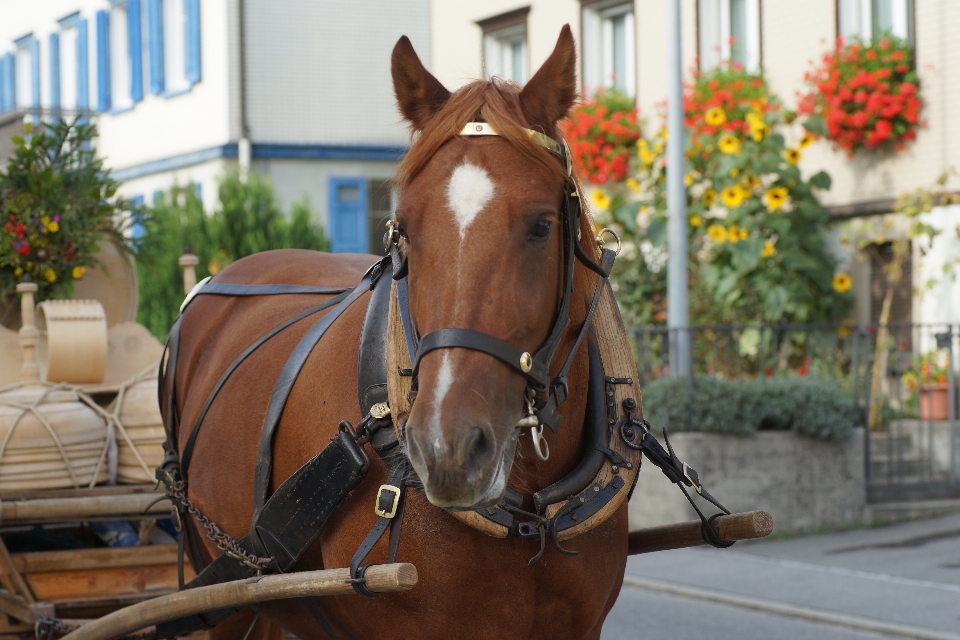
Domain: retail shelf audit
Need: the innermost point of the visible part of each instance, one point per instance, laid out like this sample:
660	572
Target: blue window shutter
4	98
103	61
136	57
35	71
191	10
155	44
347	215
83	67
54	71
11	81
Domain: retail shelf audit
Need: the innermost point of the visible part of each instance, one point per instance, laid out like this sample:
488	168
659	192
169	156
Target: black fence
902	376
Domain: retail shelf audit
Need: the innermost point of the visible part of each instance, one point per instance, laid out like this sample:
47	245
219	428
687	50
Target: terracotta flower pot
934	399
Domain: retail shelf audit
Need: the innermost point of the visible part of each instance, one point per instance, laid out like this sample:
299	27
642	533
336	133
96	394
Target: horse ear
553	89
419	94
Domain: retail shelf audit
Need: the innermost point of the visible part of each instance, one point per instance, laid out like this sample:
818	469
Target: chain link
224	541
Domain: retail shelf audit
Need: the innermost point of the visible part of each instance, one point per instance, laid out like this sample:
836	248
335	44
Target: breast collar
543	395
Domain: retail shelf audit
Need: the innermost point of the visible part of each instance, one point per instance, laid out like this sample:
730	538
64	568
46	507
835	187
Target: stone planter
934	402
806	484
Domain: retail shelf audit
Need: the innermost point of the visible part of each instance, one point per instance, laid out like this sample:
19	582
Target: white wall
207	175
941	303
319	71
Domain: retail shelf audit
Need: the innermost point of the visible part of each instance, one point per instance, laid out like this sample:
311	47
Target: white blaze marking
469	191
444	382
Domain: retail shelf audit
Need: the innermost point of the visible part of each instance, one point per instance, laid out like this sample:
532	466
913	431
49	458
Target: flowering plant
602	132
864	95
54	209
756	249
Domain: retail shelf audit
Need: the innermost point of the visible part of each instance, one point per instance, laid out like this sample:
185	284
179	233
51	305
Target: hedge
809	406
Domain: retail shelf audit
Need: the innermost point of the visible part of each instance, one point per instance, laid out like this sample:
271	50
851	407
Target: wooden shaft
16	512
736	526
380	578
29	334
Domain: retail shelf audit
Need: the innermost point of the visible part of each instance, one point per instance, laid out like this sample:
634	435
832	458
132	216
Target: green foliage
813	407
55	201
247	221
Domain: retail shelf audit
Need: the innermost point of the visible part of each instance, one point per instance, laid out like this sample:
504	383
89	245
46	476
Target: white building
624	43
183	90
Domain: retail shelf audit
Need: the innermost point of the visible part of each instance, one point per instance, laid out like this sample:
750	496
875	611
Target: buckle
380	410
387	509
693	480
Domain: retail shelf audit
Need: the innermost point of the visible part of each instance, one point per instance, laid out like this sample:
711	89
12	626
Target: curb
789	610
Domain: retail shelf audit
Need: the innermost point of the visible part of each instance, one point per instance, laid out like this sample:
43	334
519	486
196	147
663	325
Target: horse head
481	220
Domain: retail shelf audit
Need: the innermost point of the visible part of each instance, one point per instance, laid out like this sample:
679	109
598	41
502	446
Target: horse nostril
477	448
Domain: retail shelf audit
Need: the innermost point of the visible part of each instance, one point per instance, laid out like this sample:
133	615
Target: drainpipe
243	145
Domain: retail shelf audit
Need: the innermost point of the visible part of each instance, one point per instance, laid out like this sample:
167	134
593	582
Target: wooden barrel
73	341
51	439
140	433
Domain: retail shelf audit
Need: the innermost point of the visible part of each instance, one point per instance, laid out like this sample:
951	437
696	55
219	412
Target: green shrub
247	221
812	407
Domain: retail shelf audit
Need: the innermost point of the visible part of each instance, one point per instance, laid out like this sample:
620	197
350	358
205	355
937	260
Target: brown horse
480	218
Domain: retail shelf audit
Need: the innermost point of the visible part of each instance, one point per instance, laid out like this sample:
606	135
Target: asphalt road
902	579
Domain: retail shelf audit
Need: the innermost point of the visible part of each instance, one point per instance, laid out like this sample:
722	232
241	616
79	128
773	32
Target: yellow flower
78	272
633	185
695	220
715	117
53	227
732	197
805	141
729	144
213	267
688	179
663	133
646	157
792	156
749	183
658	148
18	271
709	197
601	199
757	134
717	233
744	234
767	249
733	234
28	127
50	274
842	282
775	198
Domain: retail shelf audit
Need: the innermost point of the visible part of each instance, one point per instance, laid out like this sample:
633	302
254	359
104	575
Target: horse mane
496	102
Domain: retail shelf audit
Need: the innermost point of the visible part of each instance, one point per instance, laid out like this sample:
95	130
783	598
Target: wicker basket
53	436
140	433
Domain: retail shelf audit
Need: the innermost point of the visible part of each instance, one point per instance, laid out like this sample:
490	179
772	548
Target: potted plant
929	380
57	203
864	95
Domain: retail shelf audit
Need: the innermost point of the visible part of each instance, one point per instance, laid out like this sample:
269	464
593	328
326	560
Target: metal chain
54	628
224	541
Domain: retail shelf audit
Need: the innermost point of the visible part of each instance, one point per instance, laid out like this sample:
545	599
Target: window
73	72
868	19
505	46
173	31
174	50
609	53
126	63
27	73
729	30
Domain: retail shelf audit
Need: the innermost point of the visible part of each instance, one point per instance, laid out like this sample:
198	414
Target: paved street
903	580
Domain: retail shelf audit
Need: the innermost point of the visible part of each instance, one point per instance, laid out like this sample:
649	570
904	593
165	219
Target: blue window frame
155	45
8	83
103	61
348	215
83	66
54	55
134	41
27	77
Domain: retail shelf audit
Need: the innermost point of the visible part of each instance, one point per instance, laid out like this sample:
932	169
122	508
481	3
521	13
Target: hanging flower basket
863	96
602	132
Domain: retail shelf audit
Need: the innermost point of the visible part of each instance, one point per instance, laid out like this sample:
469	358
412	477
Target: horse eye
541	230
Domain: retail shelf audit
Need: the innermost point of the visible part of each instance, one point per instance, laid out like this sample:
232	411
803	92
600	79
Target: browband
545	141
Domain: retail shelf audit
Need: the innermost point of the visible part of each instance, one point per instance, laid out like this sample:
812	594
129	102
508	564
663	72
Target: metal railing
902	376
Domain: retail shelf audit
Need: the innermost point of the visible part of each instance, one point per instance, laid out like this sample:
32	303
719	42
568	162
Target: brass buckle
380	410
396	501
693	483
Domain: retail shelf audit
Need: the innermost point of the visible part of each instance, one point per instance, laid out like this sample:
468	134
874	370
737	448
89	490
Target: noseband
543	394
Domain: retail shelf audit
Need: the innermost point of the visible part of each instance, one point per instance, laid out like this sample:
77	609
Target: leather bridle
543	394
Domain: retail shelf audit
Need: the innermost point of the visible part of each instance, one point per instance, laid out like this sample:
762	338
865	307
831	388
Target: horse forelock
496	102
